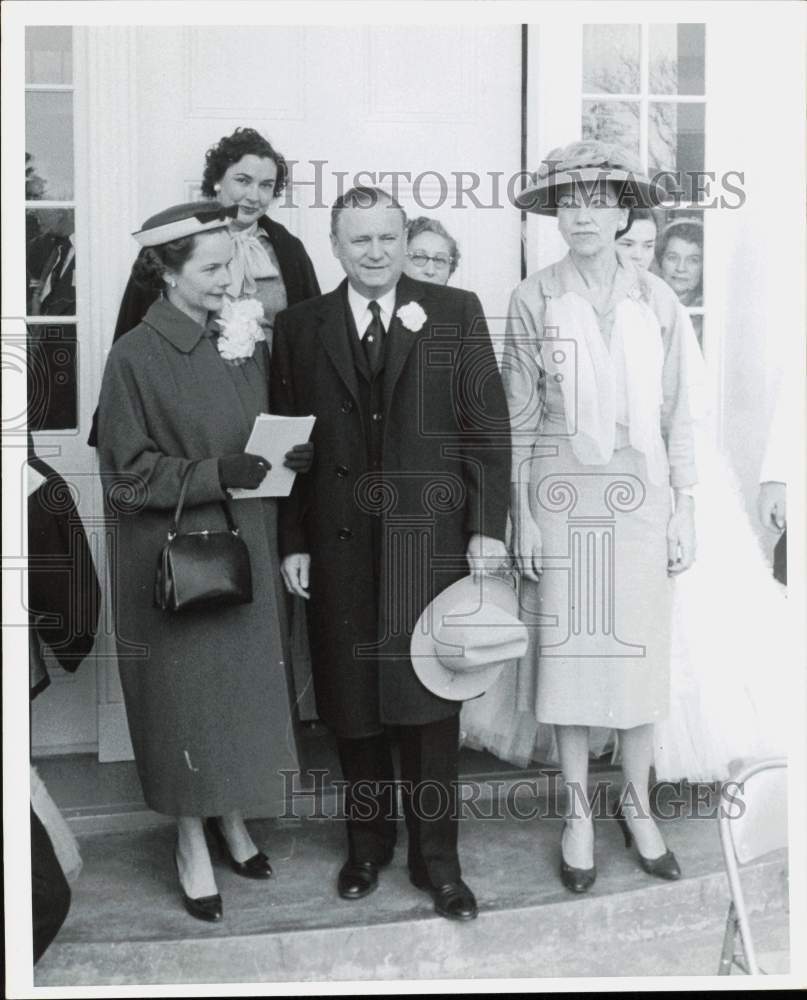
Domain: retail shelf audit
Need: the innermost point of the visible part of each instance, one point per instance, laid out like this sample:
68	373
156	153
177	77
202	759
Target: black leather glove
301	457
245	471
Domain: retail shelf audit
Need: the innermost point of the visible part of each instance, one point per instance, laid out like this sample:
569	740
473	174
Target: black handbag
202	569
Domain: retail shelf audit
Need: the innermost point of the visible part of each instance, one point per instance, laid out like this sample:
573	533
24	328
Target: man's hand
485	554
681	537
295	569
528	548
772	506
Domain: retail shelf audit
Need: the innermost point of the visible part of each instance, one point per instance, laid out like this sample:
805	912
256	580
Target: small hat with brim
681	222
466	636
188	219
583	166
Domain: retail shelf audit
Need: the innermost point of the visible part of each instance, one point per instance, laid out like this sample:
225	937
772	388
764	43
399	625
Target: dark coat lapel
333	332
400	341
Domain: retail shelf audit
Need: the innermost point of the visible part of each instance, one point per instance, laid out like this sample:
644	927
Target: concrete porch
127	924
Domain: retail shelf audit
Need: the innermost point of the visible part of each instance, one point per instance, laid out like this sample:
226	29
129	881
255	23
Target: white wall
756	124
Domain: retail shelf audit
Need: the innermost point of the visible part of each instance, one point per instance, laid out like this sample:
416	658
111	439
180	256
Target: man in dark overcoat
408	490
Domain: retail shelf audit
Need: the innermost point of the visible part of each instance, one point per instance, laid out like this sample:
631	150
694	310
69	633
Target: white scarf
250	260
621	384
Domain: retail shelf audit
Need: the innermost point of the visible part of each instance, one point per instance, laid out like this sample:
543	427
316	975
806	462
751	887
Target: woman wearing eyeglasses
432	253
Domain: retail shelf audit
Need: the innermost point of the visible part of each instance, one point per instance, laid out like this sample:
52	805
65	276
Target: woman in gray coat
206	691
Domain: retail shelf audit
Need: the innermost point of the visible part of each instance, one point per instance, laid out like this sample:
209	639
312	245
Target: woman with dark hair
205	691
637	243
245	170
680	259
432	253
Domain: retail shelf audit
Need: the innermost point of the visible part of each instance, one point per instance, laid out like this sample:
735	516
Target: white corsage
240	329
412	316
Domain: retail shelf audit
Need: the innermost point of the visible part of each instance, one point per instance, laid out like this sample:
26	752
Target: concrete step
127	925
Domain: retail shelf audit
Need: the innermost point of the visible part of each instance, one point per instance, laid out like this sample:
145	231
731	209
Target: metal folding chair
746	834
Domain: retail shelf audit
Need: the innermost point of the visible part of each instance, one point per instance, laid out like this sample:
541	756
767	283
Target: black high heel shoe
665	867
576	880
255	867
207	908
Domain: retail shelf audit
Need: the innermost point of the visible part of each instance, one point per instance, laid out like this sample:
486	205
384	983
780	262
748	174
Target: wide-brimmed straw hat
466	636
187	219
584	165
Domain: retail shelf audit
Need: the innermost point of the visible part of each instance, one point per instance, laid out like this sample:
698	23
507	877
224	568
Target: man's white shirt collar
360	307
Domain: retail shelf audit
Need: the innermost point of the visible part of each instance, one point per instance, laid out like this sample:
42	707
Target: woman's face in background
428	258
250	184
204	277
639	243
682	266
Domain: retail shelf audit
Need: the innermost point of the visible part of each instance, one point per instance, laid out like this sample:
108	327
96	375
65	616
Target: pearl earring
217	187
172	283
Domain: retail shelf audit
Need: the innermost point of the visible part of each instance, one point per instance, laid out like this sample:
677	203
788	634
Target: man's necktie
373	339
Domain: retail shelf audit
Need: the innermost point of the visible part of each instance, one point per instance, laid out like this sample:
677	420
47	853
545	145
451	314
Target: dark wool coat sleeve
291	534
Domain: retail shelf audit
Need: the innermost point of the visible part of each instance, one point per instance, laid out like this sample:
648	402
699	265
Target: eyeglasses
441	261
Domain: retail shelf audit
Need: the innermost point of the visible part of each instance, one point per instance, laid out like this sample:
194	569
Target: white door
441	105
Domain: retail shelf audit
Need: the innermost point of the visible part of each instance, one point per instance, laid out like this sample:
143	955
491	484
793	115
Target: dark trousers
50	891
429	761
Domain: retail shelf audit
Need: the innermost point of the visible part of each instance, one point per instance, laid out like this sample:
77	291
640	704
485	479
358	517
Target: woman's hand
681	536
295	569
772	506
243	471
528	547
300	458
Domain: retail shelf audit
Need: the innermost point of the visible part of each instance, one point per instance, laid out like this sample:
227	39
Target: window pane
676	142
50	262
611	58
52	377
49	140
612	122
49	55
679	252
677	58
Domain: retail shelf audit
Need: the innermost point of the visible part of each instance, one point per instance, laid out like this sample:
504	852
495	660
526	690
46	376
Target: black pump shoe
207	908
666	866
255	867
576	880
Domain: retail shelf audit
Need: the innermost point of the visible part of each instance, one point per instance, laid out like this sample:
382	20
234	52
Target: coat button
284	381
347	406
345	534
342	471
377	417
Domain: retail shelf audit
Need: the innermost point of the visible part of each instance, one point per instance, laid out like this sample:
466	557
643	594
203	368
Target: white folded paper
271	438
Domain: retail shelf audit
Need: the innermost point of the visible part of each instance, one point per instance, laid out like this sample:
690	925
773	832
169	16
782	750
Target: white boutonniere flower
240	329
412	316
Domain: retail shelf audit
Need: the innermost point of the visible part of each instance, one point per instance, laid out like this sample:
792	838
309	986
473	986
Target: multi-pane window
50	229
644	88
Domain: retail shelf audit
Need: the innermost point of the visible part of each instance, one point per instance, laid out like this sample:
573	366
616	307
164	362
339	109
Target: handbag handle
173	527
